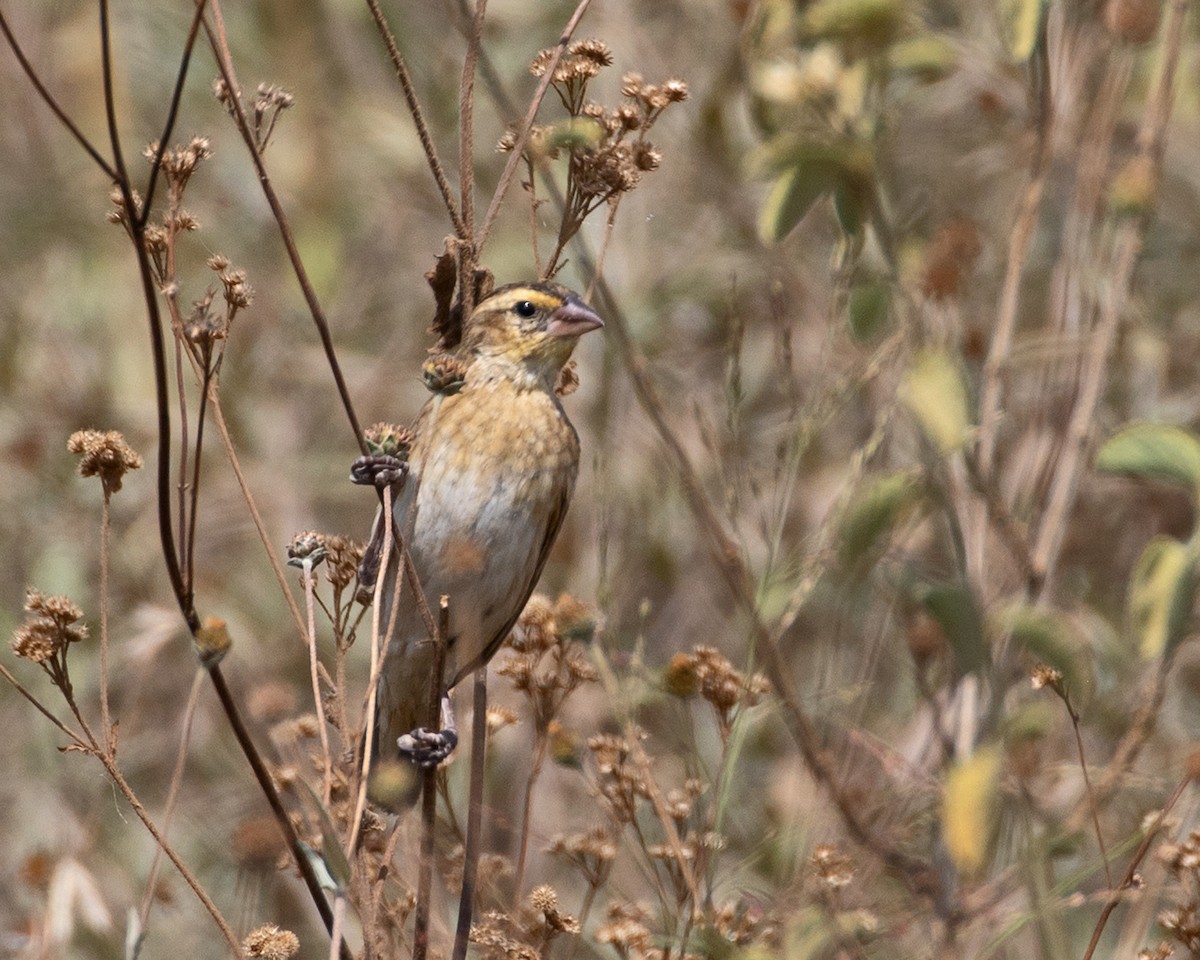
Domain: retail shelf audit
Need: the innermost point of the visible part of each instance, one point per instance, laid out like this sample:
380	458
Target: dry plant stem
220	50
76	739
414	108
263	776
106	730
49	100
429	788
1128	247
339	919
514	157
373	683
539	758
255	516
173	111
189	714
1090	796
318	702
1114	896
466	133
116	777
733	569
660	808
466	899
189	548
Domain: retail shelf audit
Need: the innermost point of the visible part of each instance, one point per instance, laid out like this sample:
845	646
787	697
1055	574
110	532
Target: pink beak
573	319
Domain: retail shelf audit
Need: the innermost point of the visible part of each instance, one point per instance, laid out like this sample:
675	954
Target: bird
491	470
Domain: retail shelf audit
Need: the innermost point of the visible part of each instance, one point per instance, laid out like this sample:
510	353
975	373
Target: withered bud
444	374
307	546
389	440
212	641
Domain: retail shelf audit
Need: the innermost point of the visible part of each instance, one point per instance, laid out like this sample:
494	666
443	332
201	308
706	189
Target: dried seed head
1046	676
595	50
343	556
105	455
444	374
389	440
307	545
271	943
675	90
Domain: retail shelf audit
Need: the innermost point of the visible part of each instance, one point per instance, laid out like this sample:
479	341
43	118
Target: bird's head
530	328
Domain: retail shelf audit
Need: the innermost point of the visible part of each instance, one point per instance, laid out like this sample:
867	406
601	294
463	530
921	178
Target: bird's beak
574	318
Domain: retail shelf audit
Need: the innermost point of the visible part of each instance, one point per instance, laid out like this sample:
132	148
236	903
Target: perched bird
491	470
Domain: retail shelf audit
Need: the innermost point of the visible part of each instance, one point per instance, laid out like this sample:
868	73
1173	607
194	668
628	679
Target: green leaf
867	309
953	606
1021	24
969	809
791	197
934	391
1162	591
873	514
1157	451
807	170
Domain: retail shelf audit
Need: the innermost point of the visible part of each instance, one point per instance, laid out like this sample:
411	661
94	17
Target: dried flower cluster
705	671
619	781
47	633
547	663
271	943
180	162
607	146
527	934
105	455
593	852
269	102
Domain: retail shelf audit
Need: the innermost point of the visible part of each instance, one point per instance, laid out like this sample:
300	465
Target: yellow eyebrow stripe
540	300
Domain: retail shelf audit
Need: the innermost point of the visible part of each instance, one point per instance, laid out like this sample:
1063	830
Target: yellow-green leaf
873	514
867	309
1162	591
935	393
1158	451
954	608
969	809
872	24
1021	24
929	57
791	197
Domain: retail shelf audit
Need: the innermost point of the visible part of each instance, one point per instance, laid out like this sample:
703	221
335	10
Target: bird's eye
525	309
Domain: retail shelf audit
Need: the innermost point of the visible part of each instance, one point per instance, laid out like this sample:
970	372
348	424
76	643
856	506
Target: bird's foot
378	470
427	749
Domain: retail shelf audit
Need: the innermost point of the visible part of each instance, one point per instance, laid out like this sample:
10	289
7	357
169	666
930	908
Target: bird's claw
427	749
378	470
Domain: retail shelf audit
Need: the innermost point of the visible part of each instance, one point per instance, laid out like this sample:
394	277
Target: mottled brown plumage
491	473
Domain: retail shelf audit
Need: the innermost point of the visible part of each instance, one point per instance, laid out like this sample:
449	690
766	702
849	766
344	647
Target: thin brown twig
189	878
414	108
514	157
225	64
314	662
189	714
76	738
49	100
466	899
429	788
106	729
1114	896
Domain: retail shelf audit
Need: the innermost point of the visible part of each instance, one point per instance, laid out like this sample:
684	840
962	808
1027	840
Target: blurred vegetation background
857	199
